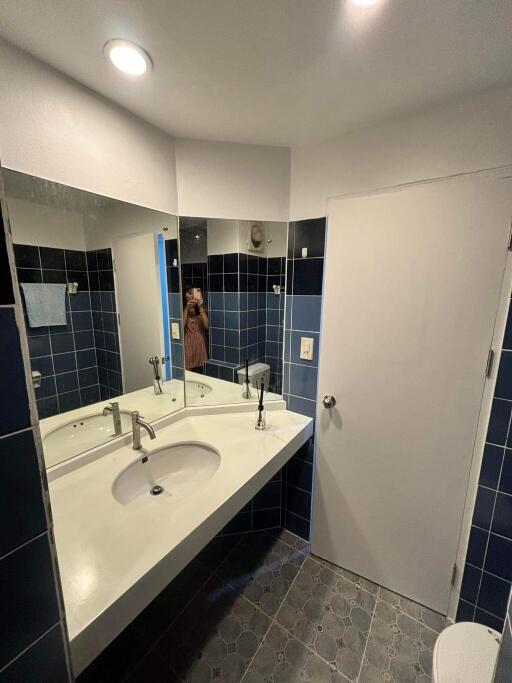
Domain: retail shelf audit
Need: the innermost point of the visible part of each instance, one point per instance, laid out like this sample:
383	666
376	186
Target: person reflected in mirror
195	324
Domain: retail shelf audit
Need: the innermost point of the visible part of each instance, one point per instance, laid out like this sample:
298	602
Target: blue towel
46	304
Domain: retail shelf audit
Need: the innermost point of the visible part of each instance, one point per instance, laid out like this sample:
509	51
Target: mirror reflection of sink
79	435
196	390
168	473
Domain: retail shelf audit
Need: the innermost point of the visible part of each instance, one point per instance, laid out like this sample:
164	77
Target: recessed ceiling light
364	3
127	57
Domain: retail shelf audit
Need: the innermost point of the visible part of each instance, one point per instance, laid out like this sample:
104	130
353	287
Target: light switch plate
304	252
306	348
175	330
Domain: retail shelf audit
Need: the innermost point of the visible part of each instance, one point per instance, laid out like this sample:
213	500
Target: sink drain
156	490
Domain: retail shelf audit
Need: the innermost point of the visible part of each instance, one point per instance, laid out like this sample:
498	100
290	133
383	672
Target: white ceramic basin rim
172	472
196	390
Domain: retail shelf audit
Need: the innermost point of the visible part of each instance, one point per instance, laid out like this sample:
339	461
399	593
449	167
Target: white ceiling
282	72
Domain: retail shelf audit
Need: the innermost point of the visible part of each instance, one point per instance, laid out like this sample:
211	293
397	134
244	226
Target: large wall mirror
100	286
233	277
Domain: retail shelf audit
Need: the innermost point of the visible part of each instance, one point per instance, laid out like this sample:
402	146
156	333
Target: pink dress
195	341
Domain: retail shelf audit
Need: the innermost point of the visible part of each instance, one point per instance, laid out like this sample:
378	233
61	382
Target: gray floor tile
262	567
368	585
433	620
289	538
215	637
399	648
281	658
330	614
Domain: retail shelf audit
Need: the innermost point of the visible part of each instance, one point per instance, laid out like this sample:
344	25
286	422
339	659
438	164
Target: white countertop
115	559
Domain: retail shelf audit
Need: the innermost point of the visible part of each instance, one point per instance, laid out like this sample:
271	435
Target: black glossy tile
477	545
502	518
266	519
15	411
86	359
69	400
499	557
308	276
75	260
55	277
106	280
482	515
499	421
216	282
88	377
300	474
470	583
504	379
482	617
64	362
90	395
52	258
506	473
44	662
66	382
231	263
84	340
94	281
239	524
298	502
46	388
29	275
297	525
44	365
6	287
310	235
26	256
80	277
268	497
173	279
104	259
465	611
46	407
82	320
231	282
39	345
23	517
92	260
62	342
29	603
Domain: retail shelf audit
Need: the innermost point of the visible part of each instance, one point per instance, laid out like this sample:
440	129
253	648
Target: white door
139	302
412	285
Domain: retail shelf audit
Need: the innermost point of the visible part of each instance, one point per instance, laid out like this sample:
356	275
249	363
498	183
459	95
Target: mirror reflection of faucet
157	385
113	408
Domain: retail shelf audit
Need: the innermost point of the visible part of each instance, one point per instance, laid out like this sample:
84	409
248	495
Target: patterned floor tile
424	615
283	659
330	614
399	648
368	585
262	567
216	636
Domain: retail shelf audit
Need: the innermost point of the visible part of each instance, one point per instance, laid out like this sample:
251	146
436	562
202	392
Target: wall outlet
175	330
304	252
306	348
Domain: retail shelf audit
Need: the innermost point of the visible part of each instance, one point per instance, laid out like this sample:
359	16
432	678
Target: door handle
329	401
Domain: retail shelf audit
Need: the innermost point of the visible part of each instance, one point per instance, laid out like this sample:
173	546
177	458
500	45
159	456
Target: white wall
45	226
466	135
54	128
226	180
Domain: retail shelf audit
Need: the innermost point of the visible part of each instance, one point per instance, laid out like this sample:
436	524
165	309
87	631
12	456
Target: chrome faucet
116	416
137	423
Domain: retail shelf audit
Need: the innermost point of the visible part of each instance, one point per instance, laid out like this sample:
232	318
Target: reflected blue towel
46	304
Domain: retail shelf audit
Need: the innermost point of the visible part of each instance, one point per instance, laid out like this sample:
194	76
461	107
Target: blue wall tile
43	662
15	412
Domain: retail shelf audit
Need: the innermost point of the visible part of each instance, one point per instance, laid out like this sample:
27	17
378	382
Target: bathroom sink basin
196	390
167	473
77	436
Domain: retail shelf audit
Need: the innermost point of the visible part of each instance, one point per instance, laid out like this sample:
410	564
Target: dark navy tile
29	275
89	395
300	474
232	338
26	256
494	593
88	377
29	603
477	546
216	263
44	662
470	583
298	502
80	277
240	523
499	557
66	382
483	507
92	260
104	259
106	280
64	362
52	258
232	355
231	263
309	234
56	277
63	342
69	401
268	497
81	301
465	611
297	525
75	260
85	359
84	340
491	466
44	365
23	517
46	388
308	276
94	280
498	422
502	519
46	407
506	473
266	519
216	283
15	411
252	264
6	285
504	379
226	373
507	339
490	620
82	320
231	282
303	381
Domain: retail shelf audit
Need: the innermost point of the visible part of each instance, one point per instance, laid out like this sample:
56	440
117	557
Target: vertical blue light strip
165	304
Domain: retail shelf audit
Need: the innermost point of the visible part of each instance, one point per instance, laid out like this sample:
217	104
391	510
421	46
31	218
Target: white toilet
465	653
258	373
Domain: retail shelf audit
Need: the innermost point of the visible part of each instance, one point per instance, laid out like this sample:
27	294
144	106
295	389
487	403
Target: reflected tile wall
175	307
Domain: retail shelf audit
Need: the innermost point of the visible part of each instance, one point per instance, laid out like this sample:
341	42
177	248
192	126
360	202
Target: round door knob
329	401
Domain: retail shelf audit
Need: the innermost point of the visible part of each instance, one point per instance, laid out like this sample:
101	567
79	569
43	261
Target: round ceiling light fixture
128	57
